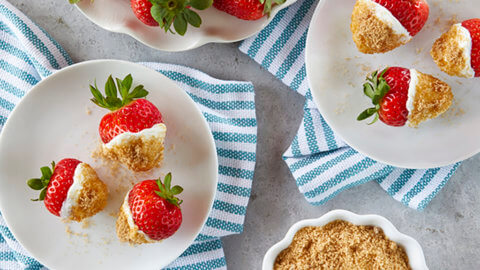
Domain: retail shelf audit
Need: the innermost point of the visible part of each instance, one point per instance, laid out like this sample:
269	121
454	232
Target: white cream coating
384	15
131	223
74	190
158	131
465	43
412	89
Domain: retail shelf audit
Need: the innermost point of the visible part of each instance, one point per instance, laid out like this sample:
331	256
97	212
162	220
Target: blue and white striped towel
28	54
322	164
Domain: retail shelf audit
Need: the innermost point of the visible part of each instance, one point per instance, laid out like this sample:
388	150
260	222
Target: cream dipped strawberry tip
42	182
375	88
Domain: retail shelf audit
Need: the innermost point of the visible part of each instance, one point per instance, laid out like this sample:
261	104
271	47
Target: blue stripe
234	137
329	136
309	160
292	57
295	147
212	264
339	178
203	237
239	122
4	28
421	184
229	207
224	105
381	173
287	33
6	104
297	81
7	256
235	172
17	72
209	87
11	89
30	35
310	132
21	55
60	49
2	240
235	190
202	247
2	120
425	201
400	182
6	233
265	33
224	225
309	176
235	154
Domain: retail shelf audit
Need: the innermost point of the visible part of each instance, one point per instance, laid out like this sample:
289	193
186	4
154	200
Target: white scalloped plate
56	120
412	247
217	26
336	83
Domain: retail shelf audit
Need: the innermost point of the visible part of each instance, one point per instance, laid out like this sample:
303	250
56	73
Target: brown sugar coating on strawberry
457	52
379	26
402	96
70	189
133	133
150	213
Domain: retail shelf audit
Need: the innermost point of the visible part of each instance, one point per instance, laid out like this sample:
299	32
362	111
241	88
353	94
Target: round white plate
337	71
56	120
217	26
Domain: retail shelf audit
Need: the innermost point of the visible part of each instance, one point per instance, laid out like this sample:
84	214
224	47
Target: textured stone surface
448	230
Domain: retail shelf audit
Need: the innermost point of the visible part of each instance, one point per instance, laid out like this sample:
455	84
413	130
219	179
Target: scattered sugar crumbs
88	111
453	112
70	233
342	245
86	223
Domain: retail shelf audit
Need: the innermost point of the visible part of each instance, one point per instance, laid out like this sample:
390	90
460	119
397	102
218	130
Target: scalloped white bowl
412	247
217	26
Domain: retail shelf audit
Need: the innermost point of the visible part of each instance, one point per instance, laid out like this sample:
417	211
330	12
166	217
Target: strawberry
154	207
164	13
389	93
412	14
129	114
473	26
246	9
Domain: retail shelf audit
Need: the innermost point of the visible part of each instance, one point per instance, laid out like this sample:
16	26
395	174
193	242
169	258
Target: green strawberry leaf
168	181
73	1
43	193
200	4
127	81
367	114
177	190
35	184
193	18
46	172
110	88
368	90
180	24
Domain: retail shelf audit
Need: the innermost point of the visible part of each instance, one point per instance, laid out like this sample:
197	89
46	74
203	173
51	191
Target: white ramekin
412	247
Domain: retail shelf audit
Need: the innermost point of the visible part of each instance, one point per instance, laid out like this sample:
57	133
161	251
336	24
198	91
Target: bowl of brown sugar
343	240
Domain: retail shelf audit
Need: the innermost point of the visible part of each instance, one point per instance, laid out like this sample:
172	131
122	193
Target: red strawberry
165	13
128	115
389	94
246	9
473	26
55	185
155	209
412	14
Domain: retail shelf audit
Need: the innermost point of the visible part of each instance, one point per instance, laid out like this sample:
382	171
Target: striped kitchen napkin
322	164
29	54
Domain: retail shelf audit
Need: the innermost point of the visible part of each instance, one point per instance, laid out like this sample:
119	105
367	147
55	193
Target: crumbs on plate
342	245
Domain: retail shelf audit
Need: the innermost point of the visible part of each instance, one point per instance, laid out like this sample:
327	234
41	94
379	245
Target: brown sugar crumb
342	245
137	153
86	223
92	198
432	98
370	34
448	55
127	233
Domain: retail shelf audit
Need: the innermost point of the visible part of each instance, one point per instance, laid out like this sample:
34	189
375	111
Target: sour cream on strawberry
131	223
74	190
464	40
412	89
384	15
158	131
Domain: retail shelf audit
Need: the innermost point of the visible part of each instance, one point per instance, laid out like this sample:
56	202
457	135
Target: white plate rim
201	42
121	62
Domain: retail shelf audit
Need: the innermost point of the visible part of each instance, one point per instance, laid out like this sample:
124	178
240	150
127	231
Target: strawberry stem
111	101
42	182
169	193
375	88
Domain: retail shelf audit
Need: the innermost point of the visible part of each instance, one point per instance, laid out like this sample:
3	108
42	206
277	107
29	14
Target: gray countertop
448	229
